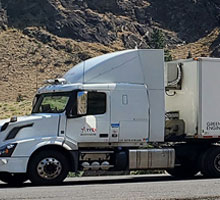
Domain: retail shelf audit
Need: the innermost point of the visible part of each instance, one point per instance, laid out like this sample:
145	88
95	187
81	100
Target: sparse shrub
167	55
41	70
75	174
69	47
68	62
158	42
57	64
20	98
39	45
138	172
189	54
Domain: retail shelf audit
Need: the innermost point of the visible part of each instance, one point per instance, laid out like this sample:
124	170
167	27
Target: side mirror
82	98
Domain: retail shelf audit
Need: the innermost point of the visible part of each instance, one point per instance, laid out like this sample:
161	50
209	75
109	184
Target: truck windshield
51	103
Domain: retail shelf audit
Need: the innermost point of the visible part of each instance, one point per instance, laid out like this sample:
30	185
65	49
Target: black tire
48	168
203	164
13	179
211	162
183	171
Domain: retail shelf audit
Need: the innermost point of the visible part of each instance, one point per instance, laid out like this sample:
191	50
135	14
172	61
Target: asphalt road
118	188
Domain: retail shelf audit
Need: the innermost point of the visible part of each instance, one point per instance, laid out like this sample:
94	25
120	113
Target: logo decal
88	131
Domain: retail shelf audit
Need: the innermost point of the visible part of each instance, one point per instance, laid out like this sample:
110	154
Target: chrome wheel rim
217	162
49	168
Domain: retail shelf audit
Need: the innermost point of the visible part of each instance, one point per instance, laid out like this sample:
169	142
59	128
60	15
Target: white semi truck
118	112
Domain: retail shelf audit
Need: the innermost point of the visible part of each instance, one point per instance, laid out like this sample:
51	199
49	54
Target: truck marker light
13	119
208	136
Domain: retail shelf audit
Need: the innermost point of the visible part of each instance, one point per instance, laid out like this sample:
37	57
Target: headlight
7	150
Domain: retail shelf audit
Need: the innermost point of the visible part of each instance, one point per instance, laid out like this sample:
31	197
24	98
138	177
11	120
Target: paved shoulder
119	188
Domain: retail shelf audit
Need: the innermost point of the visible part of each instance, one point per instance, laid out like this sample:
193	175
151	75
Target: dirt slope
42	39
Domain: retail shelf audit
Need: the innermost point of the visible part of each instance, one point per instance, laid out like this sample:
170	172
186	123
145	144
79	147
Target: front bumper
13	164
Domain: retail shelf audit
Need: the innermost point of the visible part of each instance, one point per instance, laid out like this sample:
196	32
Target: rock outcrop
109	20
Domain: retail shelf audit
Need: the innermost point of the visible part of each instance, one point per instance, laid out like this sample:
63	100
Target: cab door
130	115
93	125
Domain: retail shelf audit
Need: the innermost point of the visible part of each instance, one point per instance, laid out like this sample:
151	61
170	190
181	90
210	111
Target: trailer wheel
183	171
13	179
48	168
211	162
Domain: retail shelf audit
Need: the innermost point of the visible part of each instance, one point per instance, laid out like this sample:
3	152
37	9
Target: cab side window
96	103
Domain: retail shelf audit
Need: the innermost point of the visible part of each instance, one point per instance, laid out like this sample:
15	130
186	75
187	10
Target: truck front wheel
48	167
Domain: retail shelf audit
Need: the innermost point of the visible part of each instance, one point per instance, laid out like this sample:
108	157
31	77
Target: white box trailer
196	96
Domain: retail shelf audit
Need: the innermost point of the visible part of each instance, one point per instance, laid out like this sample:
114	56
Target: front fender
25	148
18	162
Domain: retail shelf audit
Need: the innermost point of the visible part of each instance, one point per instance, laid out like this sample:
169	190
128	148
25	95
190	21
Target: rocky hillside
42	39
106	21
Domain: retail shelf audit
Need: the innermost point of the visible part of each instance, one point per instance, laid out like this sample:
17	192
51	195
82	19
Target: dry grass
199	48
9	109
25	63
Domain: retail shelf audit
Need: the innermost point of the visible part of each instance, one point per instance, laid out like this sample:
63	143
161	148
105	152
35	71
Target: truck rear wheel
210	163
48	168
13	179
